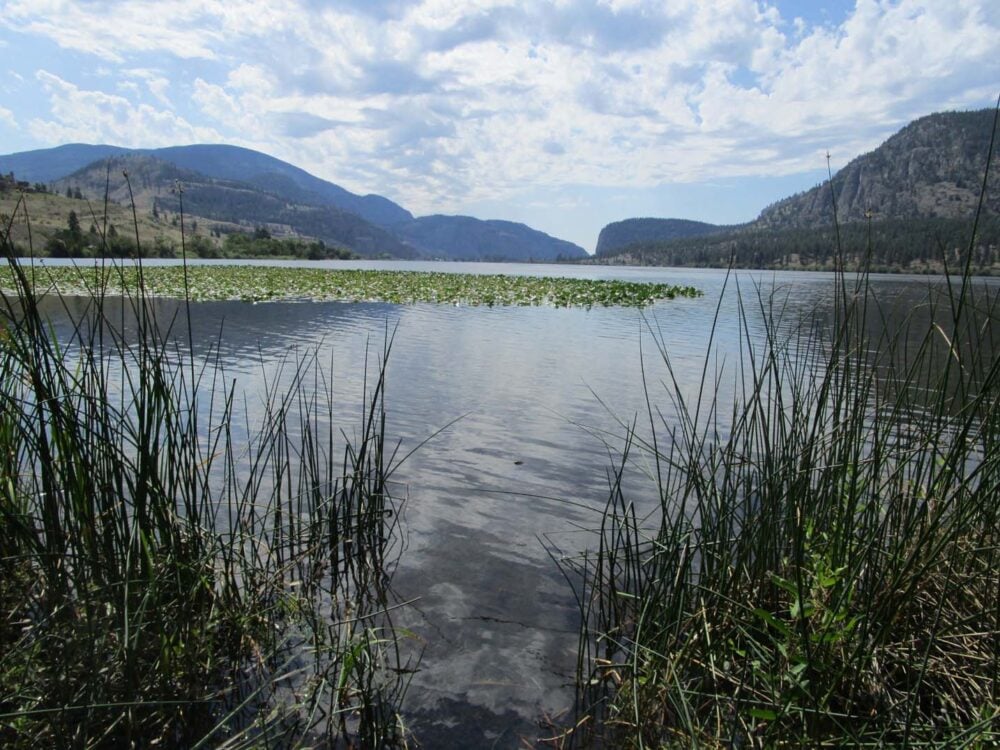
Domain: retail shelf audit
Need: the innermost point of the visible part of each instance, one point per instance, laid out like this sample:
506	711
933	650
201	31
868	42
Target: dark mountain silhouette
624	233
50	164
276	176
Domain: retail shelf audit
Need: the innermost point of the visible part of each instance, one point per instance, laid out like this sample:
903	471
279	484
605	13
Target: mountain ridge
468	238
151	185
387	228
932	167
912	195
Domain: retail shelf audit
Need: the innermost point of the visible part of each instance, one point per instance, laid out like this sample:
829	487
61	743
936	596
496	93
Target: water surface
539	395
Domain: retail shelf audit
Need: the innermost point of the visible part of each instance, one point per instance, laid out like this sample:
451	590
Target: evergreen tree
75	232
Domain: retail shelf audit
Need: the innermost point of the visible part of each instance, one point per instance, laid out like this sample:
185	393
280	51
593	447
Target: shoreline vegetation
259	283
72	228
170	575
913	246
826	571
820	565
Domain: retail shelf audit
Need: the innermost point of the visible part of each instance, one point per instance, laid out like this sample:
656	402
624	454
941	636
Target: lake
533	402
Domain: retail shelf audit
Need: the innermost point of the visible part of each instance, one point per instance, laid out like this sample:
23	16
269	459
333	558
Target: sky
565	115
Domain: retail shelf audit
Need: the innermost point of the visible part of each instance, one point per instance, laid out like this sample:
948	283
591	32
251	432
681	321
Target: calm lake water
537	394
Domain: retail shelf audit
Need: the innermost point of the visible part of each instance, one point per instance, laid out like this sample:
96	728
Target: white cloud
113	30
251	78
158	88
128	87
7	117
157	84
444	102
90	116
215	102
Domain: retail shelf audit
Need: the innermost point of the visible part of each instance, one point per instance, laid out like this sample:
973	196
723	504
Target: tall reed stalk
822	567
169	576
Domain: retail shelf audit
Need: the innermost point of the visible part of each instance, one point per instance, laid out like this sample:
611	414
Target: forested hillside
915	245
154	186
932	168
624	233
909	205
467	238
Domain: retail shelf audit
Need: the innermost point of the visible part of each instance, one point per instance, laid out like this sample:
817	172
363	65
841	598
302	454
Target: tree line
260	244
888	245
72	241
9	183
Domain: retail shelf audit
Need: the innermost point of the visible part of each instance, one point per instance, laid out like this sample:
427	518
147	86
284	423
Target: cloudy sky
566	114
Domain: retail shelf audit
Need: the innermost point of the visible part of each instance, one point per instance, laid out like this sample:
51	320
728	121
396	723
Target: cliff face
932	168
630	231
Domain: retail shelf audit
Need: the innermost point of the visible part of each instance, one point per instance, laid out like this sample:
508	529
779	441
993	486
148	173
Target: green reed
168	575
825	569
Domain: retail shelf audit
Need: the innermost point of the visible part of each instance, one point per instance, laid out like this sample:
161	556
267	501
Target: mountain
623	233
467	238
241	186
50	164
219	161
273	175
932	168
230	202
914	197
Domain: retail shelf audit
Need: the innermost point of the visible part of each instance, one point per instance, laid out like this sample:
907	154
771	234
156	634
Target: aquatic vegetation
261	283
818	564
826	572
171	576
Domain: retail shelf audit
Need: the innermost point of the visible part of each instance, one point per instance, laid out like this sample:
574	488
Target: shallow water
539	394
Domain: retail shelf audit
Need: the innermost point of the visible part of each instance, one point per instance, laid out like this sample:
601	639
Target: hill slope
50	164
932	168
467	238
241	186
217	161
153	183
621	234
273	175
915	196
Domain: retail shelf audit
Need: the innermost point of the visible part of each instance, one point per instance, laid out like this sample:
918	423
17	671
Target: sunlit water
534	398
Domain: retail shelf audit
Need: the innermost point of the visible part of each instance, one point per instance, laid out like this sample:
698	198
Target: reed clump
821	565
171	574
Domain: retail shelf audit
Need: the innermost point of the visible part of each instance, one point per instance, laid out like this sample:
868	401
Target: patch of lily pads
262	283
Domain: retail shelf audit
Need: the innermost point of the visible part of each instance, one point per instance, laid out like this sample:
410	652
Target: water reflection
537	393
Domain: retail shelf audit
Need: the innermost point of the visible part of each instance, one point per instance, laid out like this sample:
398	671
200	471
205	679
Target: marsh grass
172	572
822	564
